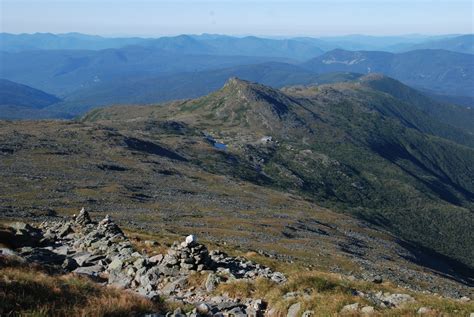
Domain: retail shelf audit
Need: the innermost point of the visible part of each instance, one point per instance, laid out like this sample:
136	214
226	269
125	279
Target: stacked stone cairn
102	252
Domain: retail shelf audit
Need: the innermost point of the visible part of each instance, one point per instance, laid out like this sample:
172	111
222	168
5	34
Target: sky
243	17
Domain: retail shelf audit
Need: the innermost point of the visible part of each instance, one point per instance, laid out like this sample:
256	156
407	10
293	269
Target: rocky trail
102	252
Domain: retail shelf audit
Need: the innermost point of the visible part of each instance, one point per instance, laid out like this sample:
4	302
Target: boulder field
101	251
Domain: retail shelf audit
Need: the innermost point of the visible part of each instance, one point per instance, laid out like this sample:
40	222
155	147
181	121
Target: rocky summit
101	251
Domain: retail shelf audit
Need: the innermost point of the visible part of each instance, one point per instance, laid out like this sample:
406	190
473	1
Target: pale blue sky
262	17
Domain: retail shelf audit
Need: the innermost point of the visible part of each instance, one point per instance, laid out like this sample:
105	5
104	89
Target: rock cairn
102	252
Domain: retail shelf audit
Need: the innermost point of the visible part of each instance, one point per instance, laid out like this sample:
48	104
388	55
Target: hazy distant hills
23	102
461	44
89	71
191	85
182	44
245	46
297	48
63	71
12	93
49	41
440	71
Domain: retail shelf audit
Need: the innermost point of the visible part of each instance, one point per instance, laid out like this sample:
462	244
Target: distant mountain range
73	41
182	44
63	71
189	85
141	71
23	102
439	71
461	44
12	93
295	48
149	90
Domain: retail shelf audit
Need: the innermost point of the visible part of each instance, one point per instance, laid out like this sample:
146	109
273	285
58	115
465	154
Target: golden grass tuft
328	293
27	290
196	279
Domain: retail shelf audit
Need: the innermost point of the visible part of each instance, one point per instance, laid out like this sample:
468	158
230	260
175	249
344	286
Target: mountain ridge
428	69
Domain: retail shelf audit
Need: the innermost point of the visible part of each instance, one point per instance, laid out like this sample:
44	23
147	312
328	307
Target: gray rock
65	230
350	308
156	259
139	263
397	300
238	312
211	282
174	286
63	250
82	257
89	270
168	271
294	310
116	264
278	277
150	278
119	279
203	309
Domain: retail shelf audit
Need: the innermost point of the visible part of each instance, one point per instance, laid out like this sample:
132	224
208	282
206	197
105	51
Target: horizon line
145	36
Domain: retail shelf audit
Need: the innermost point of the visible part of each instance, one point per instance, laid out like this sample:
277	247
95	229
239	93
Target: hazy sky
259	17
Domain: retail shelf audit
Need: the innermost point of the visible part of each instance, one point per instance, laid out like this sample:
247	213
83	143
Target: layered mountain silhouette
461	44
19	101
15	94
192	66
440	71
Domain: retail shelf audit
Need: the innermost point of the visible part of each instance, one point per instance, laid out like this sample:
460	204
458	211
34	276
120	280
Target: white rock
190	239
